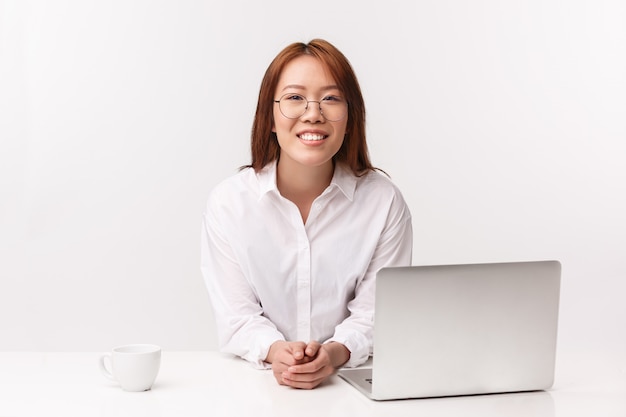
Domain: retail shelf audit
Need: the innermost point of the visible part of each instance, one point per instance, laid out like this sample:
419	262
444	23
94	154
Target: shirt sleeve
394	248
242	329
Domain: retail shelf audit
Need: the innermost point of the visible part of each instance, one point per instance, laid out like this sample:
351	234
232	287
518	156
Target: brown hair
353	151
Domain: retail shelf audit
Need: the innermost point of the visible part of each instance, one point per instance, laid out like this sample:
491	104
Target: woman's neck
301	184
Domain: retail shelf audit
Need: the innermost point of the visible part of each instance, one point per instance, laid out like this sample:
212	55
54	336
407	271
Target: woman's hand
310	364
283	354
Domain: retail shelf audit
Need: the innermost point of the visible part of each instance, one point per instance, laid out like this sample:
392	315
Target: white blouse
271	277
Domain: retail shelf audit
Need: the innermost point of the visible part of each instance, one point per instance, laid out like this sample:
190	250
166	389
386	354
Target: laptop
451	330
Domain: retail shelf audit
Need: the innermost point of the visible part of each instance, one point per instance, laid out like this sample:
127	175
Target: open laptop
453	330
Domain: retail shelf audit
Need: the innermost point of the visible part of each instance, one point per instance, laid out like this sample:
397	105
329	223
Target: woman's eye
293	97
333	99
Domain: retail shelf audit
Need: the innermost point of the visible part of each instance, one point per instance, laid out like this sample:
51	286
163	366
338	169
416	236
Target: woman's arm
242	328
394	248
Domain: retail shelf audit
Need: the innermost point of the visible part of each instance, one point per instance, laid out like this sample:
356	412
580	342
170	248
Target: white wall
502	122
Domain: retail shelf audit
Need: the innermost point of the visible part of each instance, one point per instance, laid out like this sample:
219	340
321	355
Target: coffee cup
134	367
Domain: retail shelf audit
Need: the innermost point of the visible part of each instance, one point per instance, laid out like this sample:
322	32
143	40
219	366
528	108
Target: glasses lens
333	108
292	106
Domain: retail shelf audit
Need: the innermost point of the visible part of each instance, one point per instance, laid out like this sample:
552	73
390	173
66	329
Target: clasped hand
305	366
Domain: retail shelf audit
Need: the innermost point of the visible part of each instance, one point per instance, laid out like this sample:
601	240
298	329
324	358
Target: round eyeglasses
293	106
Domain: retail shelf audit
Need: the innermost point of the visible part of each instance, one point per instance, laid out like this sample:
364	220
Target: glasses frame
319	106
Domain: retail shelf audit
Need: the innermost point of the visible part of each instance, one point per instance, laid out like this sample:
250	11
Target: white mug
134	367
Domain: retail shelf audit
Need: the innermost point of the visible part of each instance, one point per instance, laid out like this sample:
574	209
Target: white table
211	384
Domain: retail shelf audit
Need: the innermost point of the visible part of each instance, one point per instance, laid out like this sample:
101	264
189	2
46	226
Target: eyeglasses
293	106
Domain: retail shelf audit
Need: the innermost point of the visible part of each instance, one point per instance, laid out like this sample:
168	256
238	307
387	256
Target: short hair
353	151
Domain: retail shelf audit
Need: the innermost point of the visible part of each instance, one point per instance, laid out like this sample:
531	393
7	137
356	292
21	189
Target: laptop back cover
465	329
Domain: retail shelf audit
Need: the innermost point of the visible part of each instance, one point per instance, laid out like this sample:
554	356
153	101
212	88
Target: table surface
212	384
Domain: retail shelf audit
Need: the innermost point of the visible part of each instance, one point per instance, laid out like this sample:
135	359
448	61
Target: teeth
311	136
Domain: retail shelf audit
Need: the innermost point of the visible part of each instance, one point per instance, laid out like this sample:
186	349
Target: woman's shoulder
376	187
377	180
234	186
377	191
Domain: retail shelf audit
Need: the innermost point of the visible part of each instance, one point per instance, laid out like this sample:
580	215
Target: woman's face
309	139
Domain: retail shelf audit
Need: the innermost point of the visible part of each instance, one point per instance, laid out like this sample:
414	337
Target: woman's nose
313	112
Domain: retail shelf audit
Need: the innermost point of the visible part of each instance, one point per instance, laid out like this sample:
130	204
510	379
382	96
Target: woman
292	243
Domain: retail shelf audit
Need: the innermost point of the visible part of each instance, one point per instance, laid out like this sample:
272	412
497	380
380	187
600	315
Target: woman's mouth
312	136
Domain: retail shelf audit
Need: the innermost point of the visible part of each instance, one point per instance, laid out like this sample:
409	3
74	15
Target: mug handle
103	367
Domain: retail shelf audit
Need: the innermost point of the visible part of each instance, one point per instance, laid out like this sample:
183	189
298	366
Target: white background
504	124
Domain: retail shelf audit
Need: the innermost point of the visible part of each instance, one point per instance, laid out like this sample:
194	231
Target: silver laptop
453	330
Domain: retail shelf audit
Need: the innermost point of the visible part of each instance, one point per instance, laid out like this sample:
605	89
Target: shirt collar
267	179
343	178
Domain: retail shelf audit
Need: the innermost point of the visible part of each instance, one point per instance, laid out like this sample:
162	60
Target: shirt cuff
259	350
357	344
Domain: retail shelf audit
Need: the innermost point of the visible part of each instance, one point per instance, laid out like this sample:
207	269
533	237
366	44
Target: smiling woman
309	141
293	242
